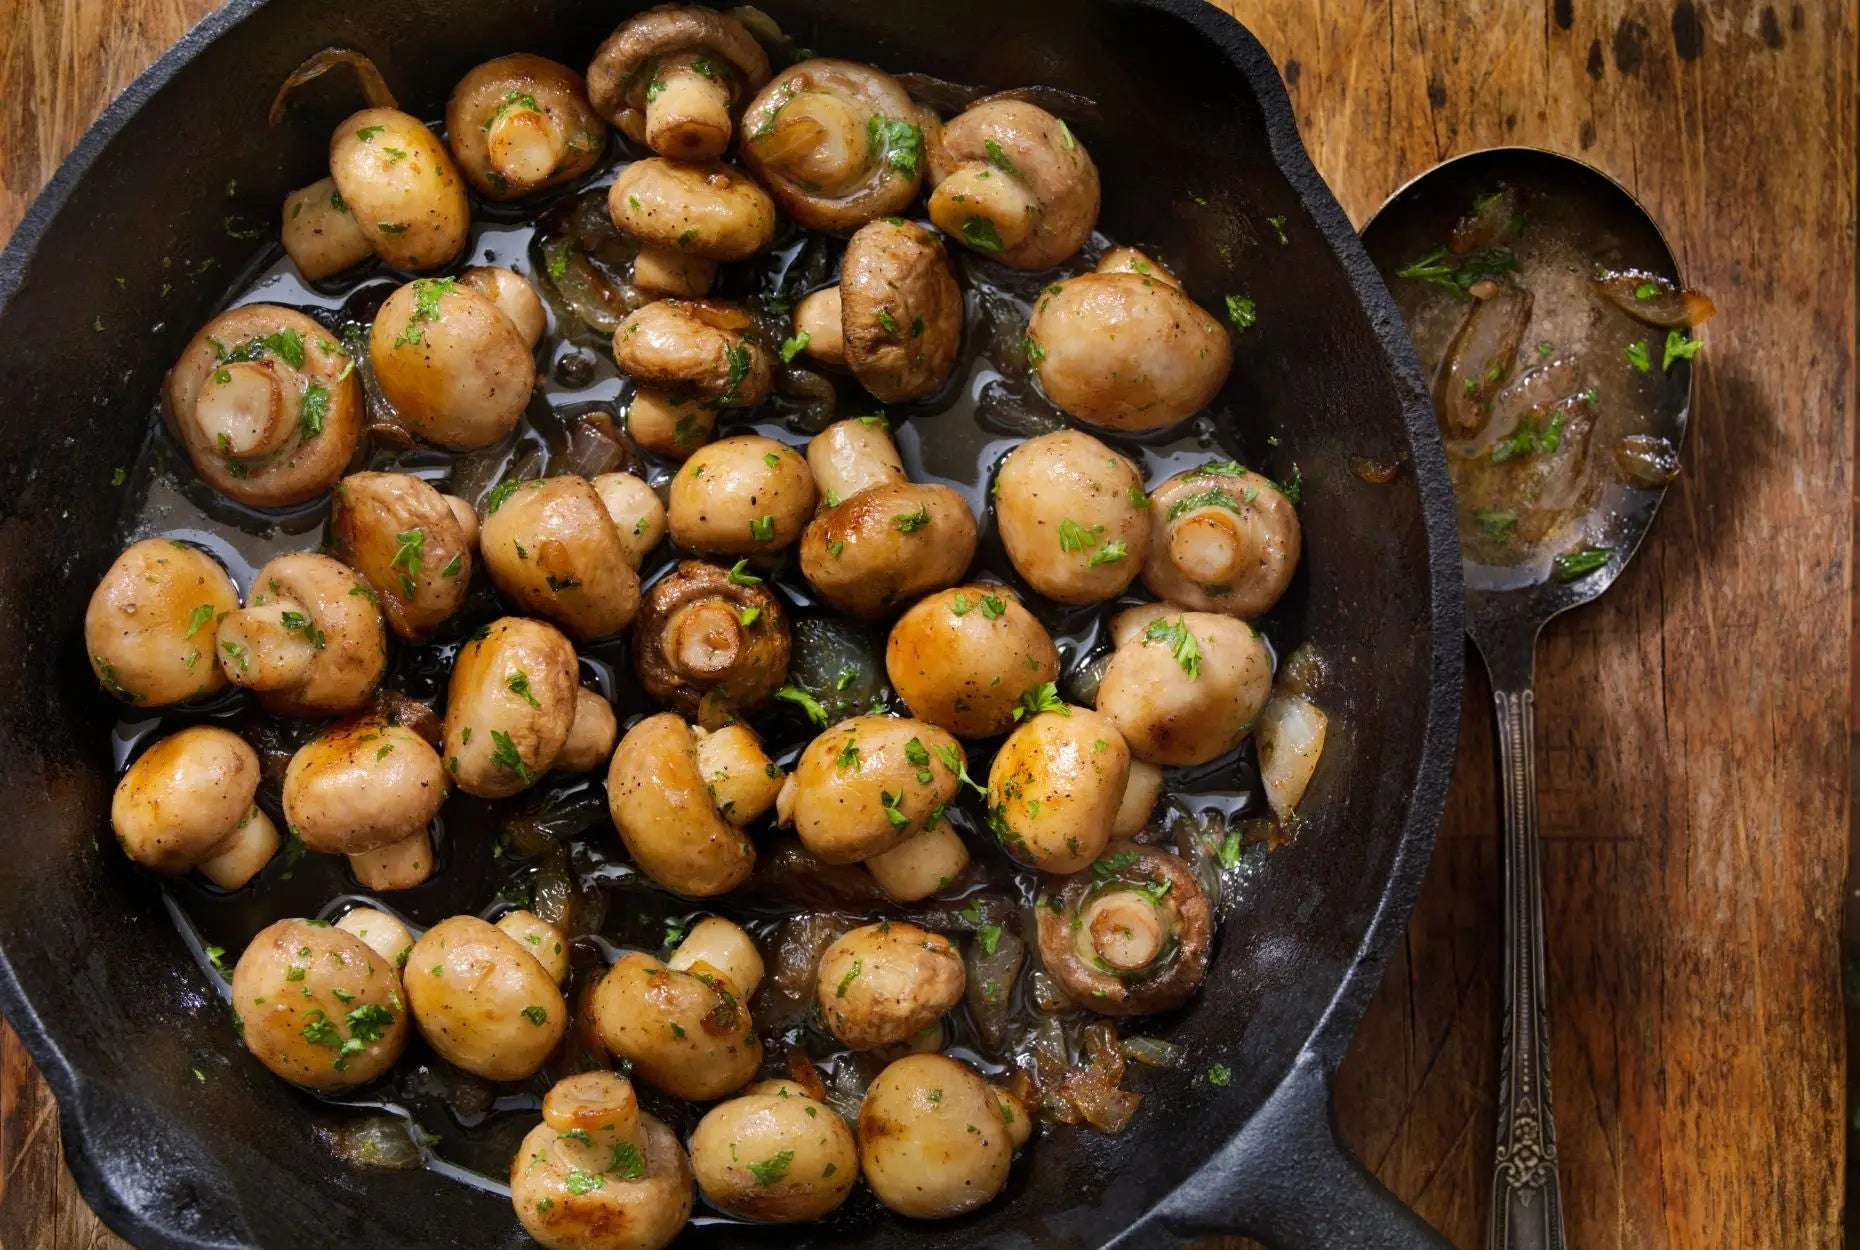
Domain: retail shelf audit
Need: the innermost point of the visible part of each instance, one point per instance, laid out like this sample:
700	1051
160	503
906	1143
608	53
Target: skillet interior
95	978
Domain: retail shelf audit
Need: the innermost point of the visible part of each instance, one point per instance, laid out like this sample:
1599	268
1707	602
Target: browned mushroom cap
408	542
711	211
1020	186
509	706
267	405
900	310
309	640
710	645
319	233
670	76
886	546
659	795
698	349
1227	541
670	425
1128	936
552	547
401	187
152	627
836	143
361	785
452	362
187	803
521	124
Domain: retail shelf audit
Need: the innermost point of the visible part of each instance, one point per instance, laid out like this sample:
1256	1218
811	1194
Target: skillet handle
1288	1181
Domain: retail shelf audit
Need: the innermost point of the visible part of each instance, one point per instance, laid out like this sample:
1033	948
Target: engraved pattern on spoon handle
1527	1204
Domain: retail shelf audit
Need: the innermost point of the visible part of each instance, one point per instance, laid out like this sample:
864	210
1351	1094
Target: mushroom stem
668	426
1124	930
741	778
321	238
1211	546
592	1113
668	271
974	193
719	946
466	517
853	456
818	316
241	411
816	140
688	109
525	145
243	852
704	640
269	646
396	866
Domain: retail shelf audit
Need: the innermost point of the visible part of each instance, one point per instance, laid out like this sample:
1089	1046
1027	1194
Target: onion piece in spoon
1651	298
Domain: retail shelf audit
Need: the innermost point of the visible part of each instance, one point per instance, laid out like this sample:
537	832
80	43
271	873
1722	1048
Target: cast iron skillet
131	248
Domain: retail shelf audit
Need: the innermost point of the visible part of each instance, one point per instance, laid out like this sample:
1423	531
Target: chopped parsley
1241	312
1110	553
1639	356
1042	698
993	607
894	808
627	1164
1180	640
1213	497
774	1169
1531	438
427	292
852	974
504	755
740	578
409	552
900	143
795	345
1075	537
990	937
519	683
1458	275
905	522
1678	347
980	233
536	1015
314	410
762	528
197	618
1572	565
805	701
1219	1075
500	494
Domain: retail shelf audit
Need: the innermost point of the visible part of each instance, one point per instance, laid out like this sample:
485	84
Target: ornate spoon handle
1527	1206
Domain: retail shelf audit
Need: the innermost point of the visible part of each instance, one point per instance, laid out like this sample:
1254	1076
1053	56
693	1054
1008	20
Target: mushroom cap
318	232
361	785
451	362
552	548
887	545
963	658
509	706
709	210
736	1137
616	79
1072	516
1184	687
708	646
267	405
482	1001
401	188
869	784
565	1213
900	310
932	1142
1186	919
317	1005
407	542
153	618
663	809
1014	139
696	347
1227	540
183	797
880	983
567	125
745	495
1055	787
351	655
713	1049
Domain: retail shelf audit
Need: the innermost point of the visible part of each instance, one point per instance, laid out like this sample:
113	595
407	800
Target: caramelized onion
993	960
1494	222
1653	299
372	1141
1479	360
1375	472
1093	1090
1646	461
374	87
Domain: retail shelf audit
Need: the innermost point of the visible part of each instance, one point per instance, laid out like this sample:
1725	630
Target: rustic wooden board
1693	728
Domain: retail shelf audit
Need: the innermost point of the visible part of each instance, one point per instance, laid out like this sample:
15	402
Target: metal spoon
1508	604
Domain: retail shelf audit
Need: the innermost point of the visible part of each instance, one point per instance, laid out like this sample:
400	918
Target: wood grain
1693	726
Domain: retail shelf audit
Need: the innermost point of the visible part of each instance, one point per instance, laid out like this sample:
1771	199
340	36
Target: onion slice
374	86
1651	298
1290	736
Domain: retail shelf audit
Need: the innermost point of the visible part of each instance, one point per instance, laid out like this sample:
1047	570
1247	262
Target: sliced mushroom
711	644
1228	541
521	124
152	627
265	403
741	496
1126	352
1183	687
401	188
688	1033
317	1006
409	542
869	784
881	983
319	233
637	514
1072	516
836	143
367	786
968	659
1016	184
1129	937
187	802
672	76
310	639
688	218
1055	788
452	363
896	314
481	1001
510	706
663	800
552	548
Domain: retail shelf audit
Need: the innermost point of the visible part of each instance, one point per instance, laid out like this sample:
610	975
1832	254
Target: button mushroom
409	542
1055	787
921	865
711	644
718	945
265	403
598	1173
1183	687
1072	517
687	1033
782	1158
554	550
1131	936
880	983
895	319
836	143
1016	184
1126	351
319	233
452	362
309	640
672	76
966	659
386	935
318	1006
692	351
688	218
482	1001
881	541
154	619
521	124
743	496
541	939
1228	541
932	1141
638	516
187	802
400	187
591	734
510	706
1141	792
680	800
869	784
368	789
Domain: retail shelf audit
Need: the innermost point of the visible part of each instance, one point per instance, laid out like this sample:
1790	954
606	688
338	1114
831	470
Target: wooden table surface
1693	728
